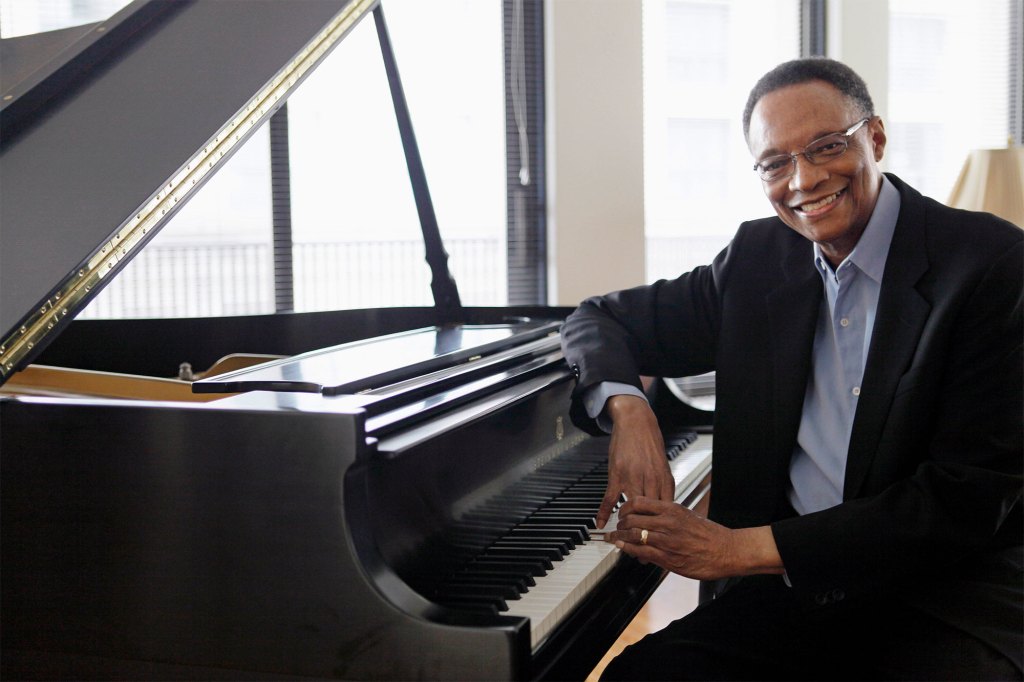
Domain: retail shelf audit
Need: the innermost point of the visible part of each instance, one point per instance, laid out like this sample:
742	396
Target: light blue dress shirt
817	471
843	334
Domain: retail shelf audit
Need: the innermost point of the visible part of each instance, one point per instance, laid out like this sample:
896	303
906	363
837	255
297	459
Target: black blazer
932	498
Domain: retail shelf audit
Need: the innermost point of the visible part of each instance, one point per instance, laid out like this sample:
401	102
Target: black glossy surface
358	366
156	347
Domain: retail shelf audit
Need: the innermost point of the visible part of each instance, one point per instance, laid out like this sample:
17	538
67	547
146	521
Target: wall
595	147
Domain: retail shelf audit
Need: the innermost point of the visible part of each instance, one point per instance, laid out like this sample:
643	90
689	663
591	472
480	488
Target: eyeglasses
818	152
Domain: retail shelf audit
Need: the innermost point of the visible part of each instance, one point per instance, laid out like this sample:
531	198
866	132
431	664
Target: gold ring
643	536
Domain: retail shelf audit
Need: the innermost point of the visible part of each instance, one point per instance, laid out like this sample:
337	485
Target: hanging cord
518	88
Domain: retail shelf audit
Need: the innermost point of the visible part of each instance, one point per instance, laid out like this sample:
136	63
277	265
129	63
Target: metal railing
212	280
238	279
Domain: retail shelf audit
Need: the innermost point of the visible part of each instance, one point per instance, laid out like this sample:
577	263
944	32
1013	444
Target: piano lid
101	145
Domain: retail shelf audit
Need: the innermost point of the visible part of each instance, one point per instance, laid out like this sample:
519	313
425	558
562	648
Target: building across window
949	67
699	65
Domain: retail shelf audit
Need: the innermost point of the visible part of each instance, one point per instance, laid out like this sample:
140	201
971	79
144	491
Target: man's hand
636	456
686	543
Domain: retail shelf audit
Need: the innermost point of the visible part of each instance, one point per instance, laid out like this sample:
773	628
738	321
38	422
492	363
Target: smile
818	205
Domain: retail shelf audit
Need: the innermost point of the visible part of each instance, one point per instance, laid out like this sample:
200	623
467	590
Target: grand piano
363	494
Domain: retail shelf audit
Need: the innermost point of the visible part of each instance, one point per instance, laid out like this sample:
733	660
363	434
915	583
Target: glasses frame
813	160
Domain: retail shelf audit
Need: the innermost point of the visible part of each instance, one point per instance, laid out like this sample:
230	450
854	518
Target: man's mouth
821	203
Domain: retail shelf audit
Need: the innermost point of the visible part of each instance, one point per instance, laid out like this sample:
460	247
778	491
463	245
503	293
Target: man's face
829	203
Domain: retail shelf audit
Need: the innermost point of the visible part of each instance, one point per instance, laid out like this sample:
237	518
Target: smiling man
865	516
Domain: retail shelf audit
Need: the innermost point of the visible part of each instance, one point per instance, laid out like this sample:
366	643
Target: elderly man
865	516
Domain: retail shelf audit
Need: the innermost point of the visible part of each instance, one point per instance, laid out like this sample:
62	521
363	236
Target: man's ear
877	132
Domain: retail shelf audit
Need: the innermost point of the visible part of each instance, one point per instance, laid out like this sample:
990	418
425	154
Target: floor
675	598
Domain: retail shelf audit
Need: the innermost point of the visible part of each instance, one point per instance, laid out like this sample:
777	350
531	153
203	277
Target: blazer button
821	599
838	595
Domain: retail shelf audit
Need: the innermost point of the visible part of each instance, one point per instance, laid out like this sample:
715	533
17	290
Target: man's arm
665	329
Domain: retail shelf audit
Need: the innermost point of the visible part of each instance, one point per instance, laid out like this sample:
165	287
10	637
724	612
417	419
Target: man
866	504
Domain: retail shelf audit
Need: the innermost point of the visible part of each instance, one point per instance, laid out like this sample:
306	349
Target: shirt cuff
595	397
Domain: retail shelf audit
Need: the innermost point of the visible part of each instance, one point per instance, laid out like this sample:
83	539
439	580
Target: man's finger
668	490
607	505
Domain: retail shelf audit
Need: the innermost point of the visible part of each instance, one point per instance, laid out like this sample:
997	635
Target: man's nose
806	175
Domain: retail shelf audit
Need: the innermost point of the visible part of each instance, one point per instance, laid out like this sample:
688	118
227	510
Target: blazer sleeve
946	482
668	329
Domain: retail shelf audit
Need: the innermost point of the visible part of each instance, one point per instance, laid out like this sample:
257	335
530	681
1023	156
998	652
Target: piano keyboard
546	565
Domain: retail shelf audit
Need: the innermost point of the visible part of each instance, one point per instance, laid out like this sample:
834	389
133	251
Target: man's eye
769	165
827	147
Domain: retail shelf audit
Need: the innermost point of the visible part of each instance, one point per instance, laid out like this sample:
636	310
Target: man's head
826	197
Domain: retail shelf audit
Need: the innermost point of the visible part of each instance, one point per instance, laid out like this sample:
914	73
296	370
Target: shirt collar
873	246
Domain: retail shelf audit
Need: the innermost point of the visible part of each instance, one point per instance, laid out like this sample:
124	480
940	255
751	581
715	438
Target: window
357	236
699	67
948	87
24	17
355	231
213	258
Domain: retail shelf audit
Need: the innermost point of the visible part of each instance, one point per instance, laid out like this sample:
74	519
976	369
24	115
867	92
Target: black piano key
539	523
513	577
581	510
557	548
484	591
526	565
583	520
545	556
480	518
539	528
517	582
565	536
579	498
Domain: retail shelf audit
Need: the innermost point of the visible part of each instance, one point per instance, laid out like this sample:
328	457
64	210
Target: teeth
807	208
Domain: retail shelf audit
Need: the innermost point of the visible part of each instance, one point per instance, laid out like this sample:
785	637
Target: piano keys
554	596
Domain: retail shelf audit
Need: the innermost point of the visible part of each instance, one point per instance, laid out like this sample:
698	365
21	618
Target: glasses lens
825	148
774	166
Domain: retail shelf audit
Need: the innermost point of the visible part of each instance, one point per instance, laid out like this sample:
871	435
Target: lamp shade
992	180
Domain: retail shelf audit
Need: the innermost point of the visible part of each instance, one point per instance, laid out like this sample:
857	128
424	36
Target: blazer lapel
901	316
793	309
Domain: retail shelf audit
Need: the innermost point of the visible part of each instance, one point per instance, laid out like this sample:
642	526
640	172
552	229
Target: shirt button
856	390
845	322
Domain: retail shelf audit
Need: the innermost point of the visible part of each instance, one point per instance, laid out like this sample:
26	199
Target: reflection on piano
382	494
